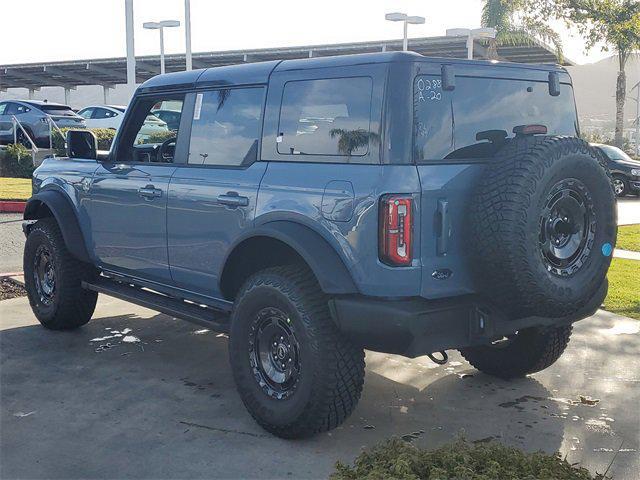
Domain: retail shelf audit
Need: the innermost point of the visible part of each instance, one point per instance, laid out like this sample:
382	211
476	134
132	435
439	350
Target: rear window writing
474	119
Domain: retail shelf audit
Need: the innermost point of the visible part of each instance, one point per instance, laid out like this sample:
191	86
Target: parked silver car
34	115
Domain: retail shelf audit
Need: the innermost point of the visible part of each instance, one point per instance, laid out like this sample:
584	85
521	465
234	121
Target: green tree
615	23
514	26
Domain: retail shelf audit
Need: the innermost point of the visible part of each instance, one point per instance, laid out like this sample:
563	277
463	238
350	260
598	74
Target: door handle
233	199
444	227
150	192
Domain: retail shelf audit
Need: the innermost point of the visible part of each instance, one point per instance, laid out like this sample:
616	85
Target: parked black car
624	170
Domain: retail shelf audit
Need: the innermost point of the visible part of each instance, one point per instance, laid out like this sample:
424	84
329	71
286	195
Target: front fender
54	201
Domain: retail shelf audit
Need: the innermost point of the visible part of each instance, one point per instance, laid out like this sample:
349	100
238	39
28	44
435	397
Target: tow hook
439	361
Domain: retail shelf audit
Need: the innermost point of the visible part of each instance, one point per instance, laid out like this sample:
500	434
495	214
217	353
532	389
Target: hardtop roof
259	72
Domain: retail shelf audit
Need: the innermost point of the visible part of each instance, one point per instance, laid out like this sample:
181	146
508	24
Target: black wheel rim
274	353
567	227
618	186
44	275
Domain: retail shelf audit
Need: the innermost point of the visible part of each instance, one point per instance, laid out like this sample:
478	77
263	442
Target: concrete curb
10	206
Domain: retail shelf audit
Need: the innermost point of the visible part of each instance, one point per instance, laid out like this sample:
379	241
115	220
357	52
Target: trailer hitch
439	361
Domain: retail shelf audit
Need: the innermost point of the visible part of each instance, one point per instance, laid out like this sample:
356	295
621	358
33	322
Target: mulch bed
10	289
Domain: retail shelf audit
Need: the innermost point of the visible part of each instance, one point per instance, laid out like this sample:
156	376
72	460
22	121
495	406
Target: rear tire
296	374
530	350
53	279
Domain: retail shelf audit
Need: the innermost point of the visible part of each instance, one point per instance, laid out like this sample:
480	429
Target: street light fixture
161	26
403	17
471	34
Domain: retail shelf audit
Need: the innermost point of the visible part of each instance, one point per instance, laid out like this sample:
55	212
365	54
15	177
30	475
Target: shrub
105	138
460	459
159	137
17	161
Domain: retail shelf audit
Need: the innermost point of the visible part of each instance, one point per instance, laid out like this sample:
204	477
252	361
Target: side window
12	109
154	130
22	109
100	113
3	106
86	113
463	124
226	127
146	138
326	117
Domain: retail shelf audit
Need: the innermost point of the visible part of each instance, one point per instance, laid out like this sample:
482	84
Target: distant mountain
595	88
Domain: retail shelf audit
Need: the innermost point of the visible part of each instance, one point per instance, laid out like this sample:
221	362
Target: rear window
58	110
326	117
473	120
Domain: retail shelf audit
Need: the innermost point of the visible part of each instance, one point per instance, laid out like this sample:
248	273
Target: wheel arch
52	203
284	242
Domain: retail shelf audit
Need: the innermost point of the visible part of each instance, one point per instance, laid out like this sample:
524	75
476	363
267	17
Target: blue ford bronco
314	208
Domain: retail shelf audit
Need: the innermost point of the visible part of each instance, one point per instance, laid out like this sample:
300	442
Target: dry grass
15	188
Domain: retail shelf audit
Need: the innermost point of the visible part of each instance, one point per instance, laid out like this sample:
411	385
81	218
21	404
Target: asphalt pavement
79	405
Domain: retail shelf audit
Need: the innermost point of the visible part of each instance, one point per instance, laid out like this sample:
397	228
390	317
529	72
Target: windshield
614	153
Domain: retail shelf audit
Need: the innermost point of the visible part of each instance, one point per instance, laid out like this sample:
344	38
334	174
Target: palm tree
515	28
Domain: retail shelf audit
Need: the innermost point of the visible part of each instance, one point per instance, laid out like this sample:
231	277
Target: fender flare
327	266
65	215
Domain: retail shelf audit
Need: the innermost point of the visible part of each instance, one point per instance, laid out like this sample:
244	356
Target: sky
85	29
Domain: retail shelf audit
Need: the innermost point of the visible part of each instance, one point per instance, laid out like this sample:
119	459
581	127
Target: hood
628	163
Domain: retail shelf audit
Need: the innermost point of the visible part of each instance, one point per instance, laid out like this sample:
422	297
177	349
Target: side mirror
82	144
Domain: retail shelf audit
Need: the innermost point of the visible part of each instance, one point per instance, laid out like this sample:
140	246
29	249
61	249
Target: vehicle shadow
142	410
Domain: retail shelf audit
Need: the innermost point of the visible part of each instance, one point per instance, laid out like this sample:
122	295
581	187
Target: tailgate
445	254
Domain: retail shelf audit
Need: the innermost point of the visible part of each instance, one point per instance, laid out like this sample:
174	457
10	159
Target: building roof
111	71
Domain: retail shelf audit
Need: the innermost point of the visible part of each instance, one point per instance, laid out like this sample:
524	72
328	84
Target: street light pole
131	59
187	33
471	34
406	19
161	26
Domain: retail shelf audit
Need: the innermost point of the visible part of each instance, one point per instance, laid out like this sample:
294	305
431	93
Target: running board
215	319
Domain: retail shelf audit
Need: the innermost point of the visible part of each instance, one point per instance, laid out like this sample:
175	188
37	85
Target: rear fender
329	269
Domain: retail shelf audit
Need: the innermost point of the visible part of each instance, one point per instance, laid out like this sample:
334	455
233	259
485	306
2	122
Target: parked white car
111	116
104	116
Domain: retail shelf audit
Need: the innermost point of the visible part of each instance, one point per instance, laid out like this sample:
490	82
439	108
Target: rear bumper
414	327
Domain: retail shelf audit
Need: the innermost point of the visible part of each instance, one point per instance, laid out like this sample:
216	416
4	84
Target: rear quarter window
473	120
326	117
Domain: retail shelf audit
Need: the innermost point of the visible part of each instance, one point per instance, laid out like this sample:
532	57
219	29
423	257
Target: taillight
396	229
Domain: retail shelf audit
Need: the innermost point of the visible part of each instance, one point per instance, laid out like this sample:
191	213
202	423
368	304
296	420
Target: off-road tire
531	350
331	371
70	305
506	218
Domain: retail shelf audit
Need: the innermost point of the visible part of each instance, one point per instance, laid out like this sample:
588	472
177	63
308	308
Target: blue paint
607	248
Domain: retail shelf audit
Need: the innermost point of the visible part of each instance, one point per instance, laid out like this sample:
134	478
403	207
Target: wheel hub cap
274	353
567	227
44	275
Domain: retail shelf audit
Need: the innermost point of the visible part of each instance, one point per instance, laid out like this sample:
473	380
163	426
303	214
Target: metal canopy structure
109	72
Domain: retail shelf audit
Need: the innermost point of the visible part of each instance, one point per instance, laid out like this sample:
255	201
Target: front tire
53	279
296	374
620	186
528	351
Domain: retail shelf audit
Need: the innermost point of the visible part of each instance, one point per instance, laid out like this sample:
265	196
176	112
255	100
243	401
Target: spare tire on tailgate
543	223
